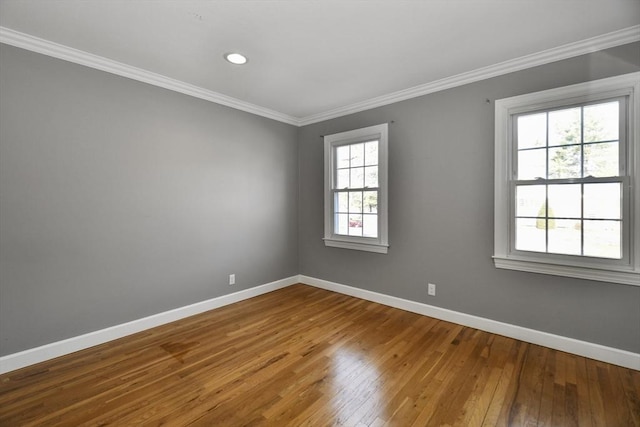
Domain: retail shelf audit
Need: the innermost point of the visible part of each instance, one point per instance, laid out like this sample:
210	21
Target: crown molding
46	47
56	50
605	41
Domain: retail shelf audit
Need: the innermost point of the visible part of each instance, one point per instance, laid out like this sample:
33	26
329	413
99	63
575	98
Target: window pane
357	178
342	178
530	200
601	122
532	131
342	224
603	200
342	156
602	239
532	164
530	236
355	202
370	225
564	201
371	176
371	153
564	162
342	202
355	225
370	200
601	159
564	236
564	127
357	155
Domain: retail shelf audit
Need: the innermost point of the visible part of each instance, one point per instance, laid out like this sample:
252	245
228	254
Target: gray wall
441	212
120	200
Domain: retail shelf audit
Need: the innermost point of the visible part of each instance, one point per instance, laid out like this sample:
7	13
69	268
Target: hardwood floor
305	356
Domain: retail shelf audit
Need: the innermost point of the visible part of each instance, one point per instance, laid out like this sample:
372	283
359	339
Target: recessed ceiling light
235	58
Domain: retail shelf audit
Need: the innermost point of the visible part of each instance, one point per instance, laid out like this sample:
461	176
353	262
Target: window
567	183
355	202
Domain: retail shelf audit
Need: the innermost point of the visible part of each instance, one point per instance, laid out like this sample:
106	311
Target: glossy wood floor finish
305	356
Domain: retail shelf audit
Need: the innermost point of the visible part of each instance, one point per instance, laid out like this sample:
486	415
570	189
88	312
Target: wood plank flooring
304	356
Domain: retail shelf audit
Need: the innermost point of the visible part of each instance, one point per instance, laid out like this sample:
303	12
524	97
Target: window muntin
569	180
355	189
549	152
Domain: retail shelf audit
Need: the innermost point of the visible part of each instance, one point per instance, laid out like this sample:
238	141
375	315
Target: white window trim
381	243
629	274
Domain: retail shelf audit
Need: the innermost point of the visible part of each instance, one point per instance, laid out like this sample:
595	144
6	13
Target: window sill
367	247
626	277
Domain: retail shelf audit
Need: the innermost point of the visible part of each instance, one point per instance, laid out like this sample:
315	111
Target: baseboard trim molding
611	355
32	356
606	354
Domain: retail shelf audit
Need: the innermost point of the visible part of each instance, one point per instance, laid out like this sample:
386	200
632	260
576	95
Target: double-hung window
355	203
567	181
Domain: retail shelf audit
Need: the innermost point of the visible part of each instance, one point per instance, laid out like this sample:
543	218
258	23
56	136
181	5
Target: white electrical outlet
431	289
232	279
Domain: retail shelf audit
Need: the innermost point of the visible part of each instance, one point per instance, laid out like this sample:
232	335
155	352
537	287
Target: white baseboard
32	356
557	342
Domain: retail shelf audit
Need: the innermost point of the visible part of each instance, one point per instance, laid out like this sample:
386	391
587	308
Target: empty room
320	212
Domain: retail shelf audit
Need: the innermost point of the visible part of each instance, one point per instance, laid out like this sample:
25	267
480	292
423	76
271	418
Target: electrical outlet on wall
431	289
232	279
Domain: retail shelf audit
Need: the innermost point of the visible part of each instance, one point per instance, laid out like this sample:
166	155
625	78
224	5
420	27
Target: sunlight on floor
357	388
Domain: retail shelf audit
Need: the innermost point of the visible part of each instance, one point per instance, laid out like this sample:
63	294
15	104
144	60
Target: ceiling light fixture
235	58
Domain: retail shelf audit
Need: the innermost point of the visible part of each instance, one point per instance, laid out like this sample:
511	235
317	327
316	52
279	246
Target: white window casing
626	269
364	230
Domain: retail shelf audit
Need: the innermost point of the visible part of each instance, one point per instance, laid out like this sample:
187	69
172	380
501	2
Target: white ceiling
311	57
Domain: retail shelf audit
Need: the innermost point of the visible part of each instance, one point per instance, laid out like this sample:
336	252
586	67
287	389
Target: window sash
362	213
623	149
348	190
568	258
